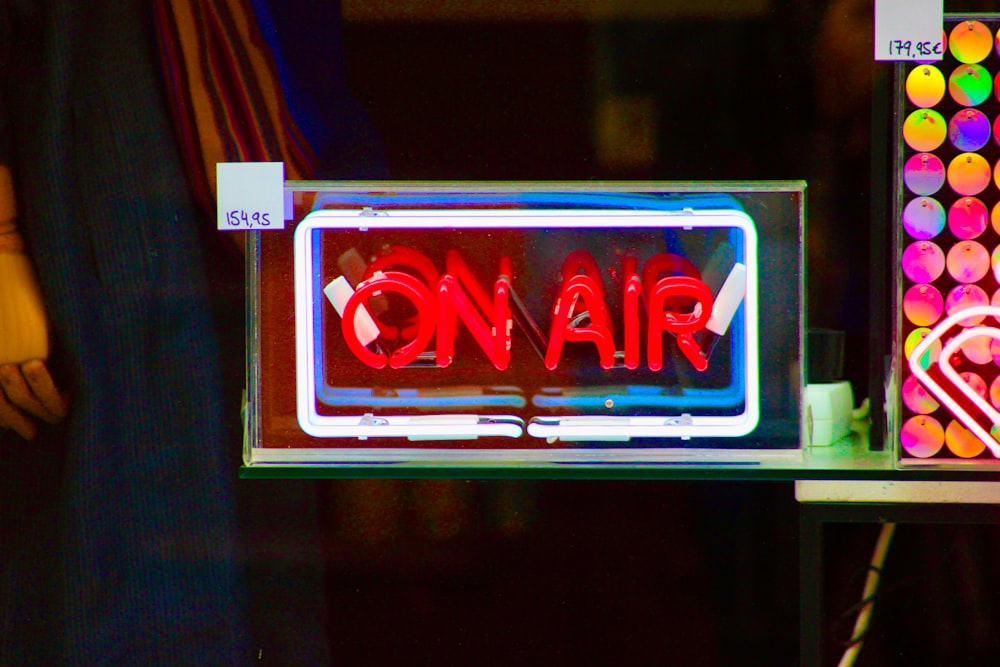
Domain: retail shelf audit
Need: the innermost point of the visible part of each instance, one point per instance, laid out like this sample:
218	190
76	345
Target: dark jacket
116	527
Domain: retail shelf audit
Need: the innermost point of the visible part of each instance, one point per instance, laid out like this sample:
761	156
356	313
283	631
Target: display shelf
303	379
843	461
848	459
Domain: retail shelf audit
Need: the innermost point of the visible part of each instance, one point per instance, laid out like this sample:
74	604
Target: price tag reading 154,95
909	30
251	196
248	220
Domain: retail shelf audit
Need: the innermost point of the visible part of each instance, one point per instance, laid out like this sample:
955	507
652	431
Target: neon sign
579	324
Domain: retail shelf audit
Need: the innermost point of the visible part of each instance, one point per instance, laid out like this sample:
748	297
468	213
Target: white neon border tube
596	427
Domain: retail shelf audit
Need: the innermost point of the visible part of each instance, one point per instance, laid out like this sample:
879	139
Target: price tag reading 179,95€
251	196
909	30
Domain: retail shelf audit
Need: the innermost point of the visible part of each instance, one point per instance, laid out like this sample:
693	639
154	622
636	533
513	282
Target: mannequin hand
26	388
27	391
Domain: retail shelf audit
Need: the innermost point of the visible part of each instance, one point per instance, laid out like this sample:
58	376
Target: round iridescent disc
969	130
968	261
995	350
995	218
996	174
996	130
917	398
924	130
968	218
923	261
913	339
923	174
923	305
961	441
975	381
925	86
921	436
969	173
995	301
995	264
970	85
966	296
978	350
970	42
994	392
923	218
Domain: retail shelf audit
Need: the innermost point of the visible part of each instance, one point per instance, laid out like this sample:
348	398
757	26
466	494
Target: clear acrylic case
523	324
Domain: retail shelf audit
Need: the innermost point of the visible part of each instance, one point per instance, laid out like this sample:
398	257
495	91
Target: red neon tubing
407	286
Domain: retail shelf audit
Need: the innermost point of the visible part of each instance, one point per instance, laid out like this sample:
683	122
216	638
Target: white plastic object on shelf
829	409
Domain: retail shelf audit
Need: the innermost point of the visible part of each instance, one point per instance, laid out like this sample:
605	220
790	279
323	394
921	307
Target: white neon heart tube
944	363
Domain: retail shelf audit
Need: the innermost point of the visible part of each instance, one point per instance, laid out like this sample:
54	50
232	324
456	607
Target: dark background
680	573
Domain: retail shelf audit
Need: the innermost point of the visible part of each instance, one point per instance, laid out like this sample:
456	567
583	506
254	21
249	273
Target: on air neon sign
660	315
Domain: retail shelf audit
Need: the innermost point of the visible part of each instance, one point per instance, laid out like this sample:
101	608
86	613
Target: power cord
868	595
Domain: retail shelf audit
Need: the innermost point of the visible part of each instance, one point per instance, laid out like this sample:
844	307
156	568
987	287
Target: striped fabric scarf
224	92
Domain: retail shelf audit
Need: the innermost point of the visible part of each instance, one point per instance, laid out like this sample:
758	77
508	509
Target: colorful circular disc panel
922	436
949	265
923	305
968	218
923	262
969	130
917	398
968	262
962	442
924	130
969	173
970	41
923	218
925	86
924	174
970	85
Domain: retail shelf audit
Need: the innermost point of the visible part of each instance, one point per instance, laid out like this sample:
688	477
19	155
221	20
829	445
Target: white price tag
251	196
909	30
